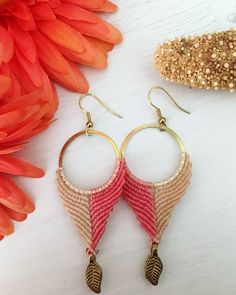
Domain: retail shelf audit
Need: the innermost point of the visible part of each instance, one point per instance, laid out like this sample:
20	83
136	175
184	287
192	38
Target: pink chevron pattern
90	209
102	203
153	203
139	197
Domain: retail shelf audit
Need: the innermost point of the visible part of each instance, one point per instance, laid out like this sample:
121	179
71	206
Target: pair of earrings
152	203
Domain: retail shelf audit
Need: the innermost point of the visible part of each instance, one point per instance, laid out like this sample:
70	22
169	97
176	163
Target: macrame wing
153	204
166	197
139	196
90	210
102	203
77	205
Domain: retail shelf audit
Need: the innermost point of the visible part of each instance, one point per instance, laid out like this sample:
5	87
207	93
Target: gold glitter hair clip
207	61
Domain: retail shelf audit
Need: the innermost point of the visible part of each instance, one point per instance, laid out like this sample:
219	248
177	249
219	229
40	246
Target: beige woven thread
77	205
167	196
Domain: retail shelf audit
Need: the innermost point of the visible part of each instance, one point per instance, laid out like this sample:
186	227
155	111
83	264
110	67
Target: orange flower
20	119
52	36
41	41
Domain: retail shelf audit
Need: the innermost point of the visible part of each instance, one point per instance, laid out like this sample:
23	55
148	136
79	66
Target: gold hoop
147	126
88	132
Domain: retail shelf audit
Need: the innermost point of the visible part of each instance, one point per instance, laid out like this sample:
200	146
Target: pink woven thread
153	204
102	203
90	209
140	199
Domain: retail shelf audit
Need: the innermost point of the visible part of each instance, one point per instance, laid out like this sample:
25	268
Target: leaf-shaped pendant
94	275
153	266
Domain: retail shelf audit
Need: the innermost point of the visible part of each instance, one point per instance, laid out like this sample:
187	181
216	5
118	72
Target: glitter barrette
207	61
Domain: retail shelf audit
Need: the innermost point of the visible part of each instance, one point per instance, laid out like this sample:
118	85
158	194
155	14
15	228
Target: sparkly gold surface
207	61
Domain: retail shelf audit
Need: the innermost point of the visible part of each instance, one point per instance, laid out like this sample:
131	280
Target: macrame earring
90	209
153	203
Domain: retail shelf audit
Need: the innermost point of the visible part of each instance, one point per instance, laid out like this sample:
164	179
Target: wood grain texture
46	255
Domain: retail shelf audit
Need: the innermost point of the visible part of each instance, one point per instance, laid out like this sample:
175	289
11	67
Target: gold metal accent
89	122
93	272
88	132
93	275
153	266
146	126
162	119
205	61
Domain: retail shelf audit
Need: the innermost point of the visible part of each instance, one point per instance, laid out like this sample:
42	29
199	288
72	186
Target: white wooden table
46	256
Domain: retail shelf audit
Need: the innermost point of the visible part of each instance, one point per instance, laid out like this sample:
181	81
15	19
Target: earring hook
162	119
89	123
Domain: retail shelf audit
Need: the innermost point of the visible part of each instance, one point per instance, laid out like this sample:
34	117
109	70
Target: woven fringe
153	204
90	210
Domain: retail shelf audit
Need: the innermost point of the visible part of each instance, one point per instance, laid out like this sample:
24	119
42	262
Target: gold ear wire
162	119
89	123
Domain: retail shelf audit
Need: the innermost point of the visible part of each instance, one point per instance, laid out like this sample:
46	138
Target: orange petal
88	57
1	53
15	89
23	17
25	100
107	7
47	91
61	34
86	28
74	12
14	198
26	83
26	25
101	44
3	135
42	11
9	121
1	238
49	53
50	96
33	70
23	132
53	102
7	45
11	165
21	11
74	80
15	215
6	120
9	200
42	126
101	30
53	3
6	225
88	4
30	2
30	127
5	83
10	150
101	53
23	41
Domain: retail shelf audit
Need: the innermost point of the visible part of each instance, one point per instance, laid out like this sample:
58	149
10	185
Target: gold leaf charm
153	266
94	275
